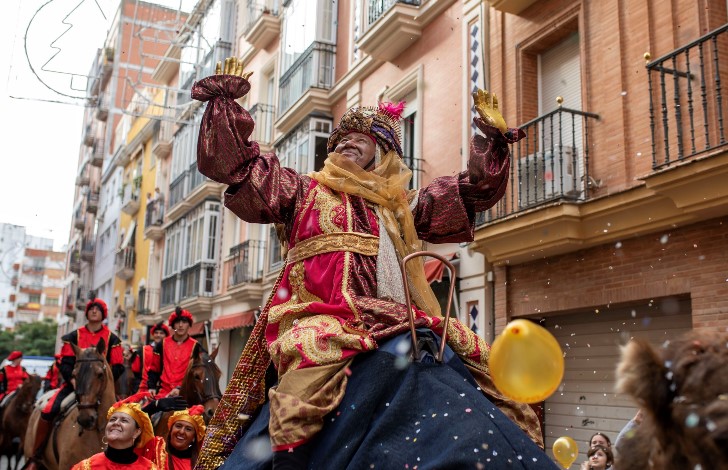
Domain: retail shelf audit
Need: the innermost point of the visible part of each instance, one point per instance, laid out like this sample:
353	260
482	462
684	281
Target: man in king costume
345	228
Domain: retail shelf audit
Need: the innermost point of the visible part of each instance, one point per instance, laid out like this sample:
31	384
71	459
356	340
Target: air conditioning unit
547	175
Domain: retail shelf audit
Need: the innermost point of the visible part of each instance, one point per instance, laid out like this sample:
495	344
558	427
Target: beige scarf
386	186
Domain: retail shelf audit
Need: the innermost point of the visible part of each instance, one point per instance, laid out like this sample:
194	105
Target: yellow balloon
565	451
526	362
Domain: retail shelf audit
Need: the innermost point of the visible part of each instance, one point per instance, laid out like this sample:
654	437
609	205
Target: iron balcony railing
195	281
125	259
550	164
154	216
258	8
377	8
147	301
313	69
246	264
687	110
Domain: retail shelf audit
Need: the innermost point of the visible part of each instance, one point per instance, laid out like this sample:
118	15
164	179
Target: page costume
340	292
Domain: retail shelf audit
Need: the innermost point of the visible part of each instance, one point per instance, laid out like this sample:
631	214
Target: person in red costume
127	428
344	229
12	375
172	356
184	440
85	337
158	333
52	379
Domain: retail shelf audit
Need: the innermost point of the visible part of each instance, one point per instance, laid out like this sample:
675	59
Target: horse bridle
98	397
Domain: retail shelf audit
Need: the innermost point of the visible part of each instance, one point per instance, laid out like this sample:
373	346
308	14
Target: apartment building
39	289
14	240
121	69
614	224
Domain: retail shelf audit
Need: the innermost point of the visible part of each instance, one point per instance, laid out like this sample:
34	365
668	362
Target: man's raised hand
487	106
233	66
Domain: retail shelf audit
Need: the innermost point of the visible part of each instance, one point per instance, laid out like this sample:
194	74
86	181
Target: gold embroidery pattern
362	243
326	202
300	296
319	339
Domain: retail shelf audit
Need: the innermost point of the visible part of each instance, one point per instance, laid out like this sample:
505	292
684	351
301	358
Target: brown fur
682	389
15	418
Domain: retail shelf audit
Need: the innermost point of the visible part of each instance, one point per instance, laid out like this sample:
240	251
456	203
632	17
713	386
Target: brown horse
15	418
78	434
201	386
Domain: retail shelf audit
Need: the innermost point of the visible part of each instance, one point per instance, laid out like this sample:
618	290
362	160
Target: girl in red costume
184	440
128	427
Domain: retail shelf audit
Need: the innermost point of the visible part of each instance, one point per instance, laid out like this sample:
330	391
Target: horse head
25	396
201	385
91	374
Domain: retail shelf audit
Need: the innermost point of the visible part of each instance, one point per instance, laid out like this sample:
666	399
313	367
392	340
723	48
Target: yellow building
138	209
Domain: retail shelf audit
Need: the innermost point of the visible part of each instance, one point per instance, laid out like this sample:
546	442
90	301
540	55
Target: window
304	149
34	298
190	254
275	255
307	52
51	301
407	90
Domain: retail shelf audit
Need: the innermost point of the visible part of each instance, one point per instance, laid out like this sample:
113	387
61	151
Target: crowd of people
158	371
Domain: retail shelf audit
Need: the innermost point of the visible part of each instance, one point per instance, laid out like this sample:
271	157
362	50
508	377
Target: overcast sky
41	111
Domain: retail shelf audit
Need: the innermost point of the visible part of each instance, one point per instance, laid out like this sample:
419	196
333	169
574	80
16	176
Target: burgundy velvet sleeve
260	190
446	209
488	166
441	215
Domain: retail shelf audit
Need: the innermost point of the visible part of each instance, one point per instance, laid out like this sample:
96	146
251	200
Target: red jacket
85	338
11	377
169	364
52	377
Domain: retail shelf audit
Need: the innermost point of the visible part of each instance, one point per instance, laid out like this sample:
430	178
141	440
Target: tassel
395	110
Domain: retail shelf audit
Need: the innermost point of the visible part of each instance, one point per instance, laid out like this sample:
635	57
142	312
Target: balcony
74	263
125	262
92	201
244	271
97	153
263	115
131	195
393	25
89	135
304	86
687	124
192	288
107	65
79	221
263	23
148	306
102	108
82	179
153	220
162	140
549	180
189	190
87	250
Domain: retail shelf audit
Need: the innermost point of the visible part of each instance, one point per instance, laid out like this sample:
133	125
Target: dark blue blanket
398	415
